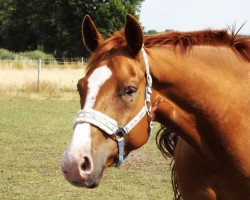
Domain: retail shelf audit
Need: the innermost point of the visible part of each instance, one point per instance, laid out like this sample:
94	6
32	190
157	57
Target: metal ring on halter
148	107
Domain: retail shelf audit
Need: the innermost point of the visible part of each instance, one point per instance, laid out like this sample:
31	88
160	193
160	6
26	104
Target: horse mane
184	40
166	141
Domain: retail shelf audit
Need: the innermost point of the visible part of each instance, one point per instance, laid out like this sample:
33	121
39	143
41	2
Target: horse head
115	101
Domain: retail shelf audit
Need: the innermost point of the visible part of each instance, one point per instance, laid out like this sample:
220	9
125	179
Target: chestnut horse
199	89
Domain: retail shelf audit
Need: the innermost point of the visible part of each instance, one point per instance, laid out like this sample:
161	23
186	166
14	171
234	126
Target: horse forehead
95	81
124	69
99	75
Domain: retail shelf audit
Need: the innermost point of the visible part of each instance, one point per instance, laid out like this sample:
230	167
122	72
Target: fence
69	63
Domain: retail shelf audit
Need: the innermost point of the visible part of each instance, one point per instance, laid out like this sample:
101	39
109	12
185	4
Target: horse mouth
94	185
85	185
91	182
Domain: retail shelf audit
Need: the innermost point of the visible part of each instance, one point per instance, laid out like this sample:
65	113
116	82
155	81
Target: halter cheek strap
110	126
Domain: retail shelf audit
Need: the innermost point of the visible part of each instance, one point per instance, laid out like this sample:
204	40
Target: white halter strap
107	124
110	126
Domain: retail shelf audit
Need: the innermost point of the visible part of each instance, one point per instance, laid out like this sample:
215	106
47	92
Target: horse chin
86	184
92	182
95	179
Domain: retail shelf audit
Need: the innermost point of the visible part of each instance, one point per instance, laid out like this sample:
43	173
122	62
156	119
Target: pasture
35	129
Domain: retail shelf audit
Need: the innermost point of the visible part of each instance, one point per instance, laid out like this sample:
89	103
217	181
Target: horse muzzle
80	171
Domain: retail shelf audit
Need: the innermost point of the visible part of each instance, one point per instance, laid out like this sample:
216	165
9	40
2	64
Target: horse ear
133	35
91	37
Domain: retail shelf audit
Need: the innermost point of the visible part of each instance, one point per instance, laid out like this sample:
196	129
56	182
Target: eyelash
129	91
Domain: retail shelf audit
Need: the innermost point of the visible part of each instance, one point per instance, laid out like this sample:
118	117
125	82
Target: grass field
34	132
55	83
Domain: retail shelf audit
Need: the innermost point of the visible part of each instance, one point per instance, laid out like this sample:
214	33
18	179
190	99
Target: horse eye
129	91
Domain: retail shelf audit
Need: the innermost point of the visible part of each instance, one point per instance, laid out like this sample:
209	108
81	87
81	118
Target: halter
110	126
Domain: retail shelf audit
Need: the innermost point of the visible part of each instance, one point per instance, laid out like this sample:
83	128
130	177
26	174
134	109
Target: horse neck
196	92
194	77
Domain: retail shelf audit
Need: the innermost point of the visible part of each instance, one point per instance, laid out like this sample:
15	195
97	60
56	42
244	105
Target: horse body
201	83
197	179
207	94
194	177
211	95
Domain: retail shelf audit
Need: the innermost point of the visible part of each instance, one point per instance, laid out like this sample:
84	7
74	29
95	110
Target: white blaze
95	81
81	141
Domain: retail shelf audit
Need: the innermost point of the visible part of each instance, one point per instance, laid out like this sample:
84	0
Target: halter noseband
110	126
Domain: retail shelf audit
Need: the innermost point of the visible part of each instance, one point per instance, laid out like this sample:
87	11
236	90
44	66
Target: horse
195	84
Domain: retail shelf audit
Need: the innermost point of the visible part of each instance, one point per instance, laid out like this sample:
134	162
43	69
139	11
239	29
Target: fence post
39	68
82	62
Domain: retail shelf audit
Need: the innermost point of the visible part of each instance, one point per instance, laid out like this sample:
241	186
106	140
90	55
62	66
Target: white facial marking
95	81
81	141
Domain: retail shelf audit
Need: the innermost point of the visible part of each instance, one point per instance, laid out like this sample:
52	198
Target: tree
169	30
56	25
151	32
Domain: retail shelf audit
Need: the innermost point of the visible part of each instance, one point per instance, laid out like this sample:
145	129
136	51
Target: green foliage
30	55
111	14
169	30
7	55
55	26
151	32
35	55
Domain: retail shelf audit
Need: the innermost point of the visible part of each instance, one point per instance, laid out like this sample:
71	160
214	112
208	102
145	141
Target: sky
191	15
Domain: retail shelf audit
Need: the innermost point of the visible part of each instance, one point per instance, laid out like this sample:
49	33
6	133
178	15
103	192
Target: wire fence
47	61
39	64
22	63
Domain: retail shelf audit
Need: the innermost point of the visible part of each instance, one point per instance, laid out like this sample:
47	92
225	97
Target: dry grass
58	82
19	78
32	64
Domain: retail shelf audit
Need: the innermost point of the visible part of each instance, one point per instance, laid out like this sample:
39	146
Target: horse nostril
86	166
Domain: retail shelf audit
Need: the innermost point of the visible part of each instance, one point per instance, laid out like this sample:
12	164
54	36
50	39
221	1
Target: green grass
33	136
